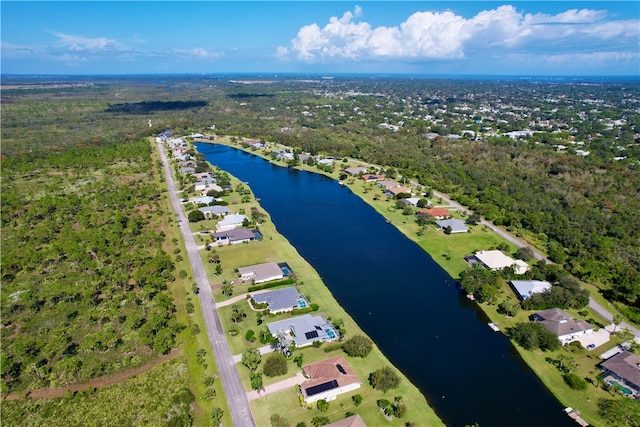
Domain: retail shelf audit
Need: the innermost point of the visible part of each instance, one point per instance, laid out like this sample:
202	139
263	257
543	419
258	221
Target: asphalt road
234	391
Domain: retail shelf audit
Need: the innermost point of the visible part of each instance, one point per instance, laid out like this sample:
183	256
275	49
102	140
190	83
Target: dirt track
52	393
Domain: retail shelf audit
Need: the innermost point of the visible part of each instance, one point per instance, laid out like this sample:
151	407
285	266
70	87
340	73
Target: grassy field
274	247
449	252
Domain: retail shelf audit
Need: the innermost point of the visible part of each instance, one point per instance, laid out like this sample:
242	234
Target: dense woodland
84	275
83	270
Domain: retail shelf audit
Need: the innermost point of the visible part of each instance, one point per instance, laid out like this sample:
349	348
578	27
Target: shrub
332	347
269	285
275	365
278	421
250	335
320	421
195	216
357	399
357	346
575	382
322	405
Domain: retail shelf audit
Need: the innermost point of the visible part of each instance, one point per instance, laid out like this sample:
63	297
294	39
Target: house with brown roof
397	190
327	379
371	177
436	213
623	369
352	421
387	184
561	323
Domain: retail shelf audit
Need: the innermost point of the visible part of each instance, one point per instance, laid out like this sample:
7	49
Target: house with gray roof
213	211
526	288
304	330
204	199
355	170
561	323
623	369
282	300
261	272
234	236
457	225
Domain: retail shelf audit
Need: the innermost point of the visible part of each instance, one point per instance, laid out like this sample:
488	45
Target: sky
548	38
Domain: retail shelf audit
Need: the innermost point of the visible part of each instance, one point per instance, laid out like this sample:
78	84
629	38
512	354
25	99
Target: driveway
280	385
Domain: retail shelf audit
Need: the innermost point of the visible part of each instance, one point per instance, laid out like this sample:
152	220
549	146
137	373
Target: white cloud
194	53
76	43
446	35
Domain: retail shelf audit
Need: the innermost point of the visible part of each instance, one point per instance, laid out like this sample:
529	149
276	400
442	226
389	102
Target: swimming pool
286	271
302	304
622	388
330	333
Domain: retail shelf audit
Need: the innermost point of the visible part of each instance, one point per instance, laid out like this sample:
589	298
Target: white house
561	324
496	260
231	221
526	288
457	225
327	379
304	330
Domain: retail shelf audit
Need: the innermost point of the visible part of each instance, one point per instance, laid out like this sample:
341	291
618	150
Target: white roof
232	219
526	288
496	260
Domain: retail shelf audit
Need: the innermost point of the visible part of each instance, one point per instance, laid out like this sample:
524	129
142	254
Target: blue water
400	297
302	304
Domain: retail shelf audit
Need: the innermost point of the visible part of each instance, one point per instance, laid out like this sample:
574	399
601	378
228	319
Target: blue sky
414	37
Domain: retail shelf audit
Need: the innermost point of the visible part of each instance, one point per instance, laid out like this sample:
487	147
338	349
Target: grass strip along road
235	394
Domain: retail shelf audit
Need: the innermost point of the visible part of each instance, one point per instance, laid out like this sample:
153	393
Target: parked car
591	346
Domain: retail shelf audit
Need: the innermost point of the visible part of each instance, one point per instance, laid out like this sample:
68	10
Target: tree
620	412
473	219
251	358
357	399
575	382
279	421
275	365
216	415
524	253
322	405
218	269
423	203
320	421
509	307
532	335
237	313
384	379
617	319
227	289
256	381
357	346
195	216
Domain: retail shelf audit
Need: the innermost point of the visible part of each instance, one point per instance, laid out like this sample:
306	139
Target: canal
400	297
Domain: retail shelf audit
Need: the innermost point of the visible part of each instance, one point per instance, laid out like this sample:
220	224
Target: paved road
236	396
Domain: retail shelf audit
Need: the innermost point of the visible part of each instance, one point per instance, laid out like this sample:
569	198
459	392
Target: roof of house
625	365
457	225
560	322
526	288
232	219
436	212
281	299
328	374
355	170
411	200
352	421
496	260
203	199
372	177
235	234
305	329
263	271
215	209
398	190
388	184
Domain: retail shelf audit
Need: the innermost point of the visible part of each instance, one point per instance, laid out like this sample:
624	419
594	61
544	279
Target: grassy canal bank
244	332
449	252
